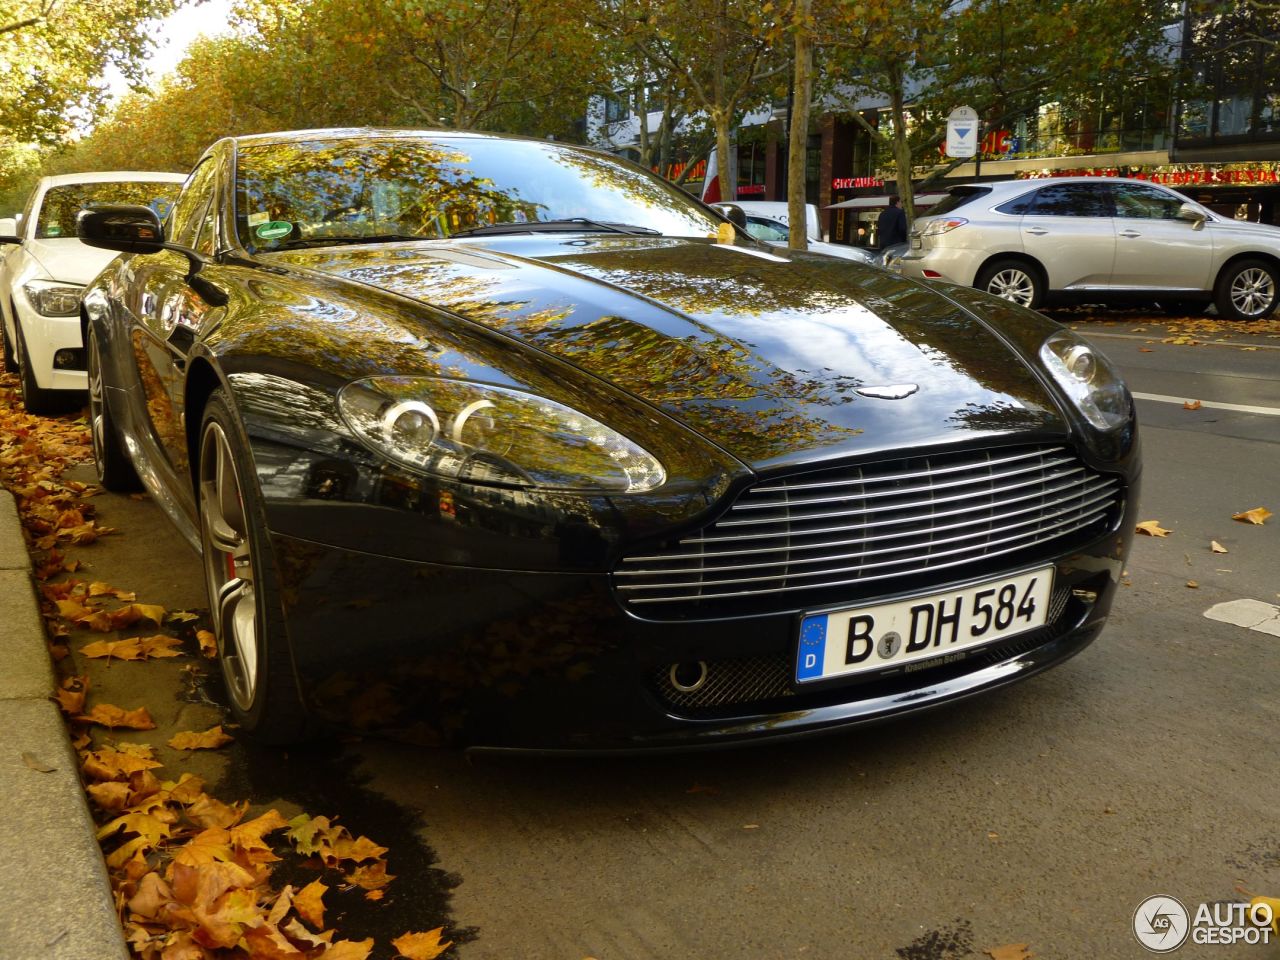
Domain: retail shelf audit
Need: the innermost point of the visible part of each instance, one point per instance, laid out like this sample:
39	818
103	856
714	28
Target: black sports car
515	444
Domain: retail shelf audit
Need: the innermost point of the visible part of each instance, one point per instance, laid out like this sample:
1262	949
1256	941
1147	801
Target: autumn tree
55	53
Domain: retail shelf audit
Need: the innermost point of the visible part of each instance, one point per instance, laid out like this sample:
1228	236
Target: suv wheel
1013	280
1247	290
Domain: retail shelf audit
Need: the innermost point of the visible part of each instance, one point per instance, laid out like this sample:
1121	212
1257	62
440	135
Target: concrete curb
55	899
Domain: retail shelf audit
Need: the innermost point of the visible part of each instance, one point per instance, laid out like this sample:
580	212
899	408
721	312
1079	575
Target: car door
168	315
1154	249
1068	228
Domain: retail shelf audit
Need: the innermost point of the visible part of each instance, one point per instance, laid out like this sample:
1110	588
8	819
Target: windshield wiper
551	226
335	241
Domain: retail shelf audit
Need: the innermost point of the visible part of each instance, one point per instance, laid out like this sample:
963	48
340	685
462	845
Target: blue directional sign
962	125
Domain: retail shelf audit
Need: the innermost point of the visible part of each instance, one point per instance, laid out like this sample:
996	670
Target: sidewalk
55	900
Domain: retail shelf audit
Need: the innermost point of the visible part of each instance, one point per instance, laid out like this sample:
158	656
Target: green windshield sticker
274	230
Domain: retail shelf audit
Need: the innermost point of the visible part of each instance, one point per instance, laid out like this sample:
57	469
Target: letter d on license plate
863	639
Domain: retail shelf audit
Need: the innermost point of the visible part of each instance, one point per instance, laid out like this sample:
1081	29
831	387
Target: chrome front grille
893	519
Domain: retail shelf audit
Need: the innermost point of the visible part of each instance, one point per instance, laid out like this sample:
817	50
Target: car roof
333	133
1027	183
112	176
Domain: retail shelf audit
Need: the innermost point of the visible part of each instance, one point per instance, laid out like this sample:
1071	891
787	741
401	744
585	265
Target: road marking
1148	338
1250	614
1212	404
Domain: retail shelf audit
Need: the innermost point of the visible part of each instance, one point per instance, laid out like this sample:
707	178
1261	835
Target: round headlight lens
1088	379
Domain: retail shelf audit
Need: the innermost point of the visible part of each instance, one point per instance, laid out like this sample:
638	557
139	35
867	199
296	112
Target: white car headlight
479	433
53	299
1088	378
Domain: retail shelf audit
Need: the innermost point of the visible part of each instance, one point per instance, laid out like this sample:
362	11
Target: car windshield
343	190
770	230
957	197
63	204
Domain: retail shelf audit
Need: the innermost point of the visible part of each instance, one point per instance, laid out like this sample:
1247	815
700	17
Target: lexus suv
1098	239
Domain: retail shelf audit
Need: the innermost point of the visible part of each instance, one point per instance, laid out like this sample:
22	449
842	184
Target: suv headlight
479	433
53	299
1088	378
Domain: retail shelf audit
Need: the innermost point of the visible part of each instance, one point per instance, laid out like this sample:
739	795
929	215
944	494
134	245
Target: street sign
962	132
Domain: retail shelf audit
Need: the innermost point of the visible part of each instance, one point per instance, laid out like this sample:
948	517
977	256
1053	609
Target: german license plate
863	639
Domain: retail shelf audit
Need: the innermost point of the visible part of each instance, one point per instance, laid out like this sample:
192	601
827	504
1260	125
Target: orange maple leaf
210	739
421	946
110	716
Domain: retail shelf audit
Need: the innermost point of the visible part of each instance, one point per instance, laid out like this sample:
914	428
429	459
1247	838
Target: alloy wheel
1252	291
228	565
97	420
1013	284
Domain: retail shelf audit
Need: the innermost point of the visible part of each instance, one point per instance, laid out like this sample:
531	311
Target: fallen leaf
1152	528
371	876
1274	904
1010	951
1145	350
1193	585
349	950
110	716
1216	547
211	739
421	946
309	904
71	697
214	814
1191	405
208	643
1258	515
119	763
36	764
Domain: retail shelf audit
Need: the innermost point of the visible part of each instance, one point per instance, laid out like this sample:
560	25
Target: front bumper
44	337
538	661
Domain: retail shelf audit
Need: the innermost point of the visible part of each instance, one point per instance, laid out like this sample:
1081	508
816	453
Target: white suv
44	271
1097	239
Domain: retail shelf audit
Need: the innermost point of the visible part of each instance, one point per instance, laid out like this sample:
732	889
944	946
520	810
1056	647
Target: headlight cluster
53	299
1088	379
487	434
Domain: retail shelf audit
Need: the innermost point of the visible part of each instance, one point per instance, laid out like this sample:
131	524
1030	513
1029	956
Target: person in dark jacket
892	225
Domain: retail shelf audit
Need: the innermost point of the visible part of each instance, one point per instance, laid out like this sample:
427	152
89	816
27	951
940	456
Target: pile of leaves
192	877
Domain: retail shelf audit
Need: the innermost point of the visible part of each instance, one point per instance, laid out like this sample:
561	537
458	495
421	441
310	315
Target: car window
956	198
189	213
1018	205
62	204
1072	200
1142	201
767	230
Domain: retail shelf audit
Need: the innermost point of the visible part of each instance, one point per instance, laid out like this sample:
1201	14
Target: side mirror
124	228
1189	211
733	213
9	230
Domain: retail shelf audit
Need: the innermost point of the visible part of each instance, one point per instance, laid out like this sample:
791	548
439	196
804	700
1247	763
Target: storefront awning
870	203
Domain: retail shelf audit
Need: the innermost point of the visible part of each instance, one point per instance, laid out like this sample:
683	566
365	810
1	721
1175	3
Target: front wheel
115	470
1247	290
1013	280
243	586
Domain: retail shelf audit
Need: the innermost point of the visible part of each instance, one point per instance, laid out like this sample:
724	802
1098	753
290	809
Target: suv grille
890	520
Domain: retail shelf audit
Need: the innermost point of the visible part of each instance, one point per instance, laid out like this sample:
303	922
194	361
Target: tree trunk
798	148
728	189
901	149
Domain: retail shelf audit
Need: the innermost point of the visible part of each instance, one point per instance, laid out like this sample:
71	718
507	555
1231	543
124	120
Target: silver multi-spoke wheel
1012	280
229	565
1247	290
97	418
1013	284
1253	291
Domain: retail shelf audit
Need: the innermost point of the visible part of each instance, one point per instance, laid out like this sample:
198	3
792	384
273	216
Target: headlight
495	435
1087	377
53	299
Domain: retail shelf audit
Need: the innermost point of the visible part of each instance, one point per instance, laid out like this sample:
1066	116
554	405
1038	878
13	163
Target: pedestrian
892	225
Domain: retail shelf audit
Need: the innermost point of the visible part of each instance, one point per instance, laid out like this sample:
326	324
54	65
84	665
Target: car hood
773	357
66	258
1246	228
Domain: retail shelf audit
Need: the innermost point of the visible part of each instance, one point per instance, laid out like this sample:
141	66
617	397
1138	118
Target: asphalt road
1043	815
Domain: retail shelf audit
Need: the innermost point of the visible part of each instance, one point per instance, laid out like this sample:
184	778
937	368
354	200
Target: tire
1247	290
115	470
35	398
6	351
243	584
1013	280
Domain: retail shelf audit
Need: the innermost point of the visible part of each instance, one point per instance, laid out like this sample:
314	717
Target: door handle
1130	233
1037	231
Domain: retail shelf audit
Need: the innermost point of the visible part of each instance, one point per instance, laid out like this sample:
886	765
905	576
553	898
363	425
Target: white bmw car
44	269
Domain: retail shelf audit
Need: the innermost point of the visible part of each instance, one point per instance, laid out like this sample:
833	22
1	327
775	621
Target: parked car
769	221
515	443
1096	238
45	269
